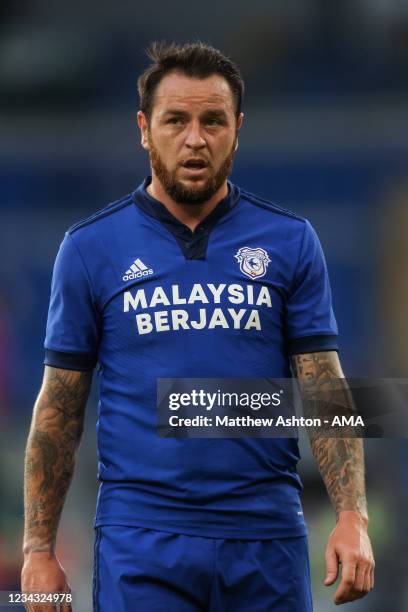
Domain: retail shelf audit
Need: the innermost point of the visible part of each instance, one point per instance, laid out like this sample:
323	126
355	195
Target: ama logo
253	262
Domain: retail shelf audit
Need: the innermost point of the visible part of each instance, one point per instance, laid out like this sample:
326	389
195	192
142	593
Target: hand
43	573
350	545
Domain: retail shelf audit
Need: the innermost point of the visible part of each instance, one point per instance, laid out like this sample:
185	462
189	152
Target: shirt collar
156	209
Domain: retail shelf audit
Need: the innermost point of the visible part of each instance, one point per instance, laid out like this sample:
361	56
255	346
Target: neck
188	214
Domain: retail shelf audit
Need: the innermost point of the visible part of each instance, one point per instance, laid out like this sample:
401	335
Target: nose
194	136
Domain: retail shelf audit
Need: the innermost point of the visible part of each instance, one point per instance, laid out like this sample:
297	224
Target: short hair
197	60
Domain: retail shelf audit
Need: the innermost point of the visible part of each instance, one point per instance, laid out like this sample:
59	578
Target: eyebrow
177	112
215	113
207	113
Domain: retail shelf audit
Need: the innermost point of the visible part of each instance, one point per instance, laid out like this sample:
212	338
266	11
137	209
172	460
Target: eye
175	120
213	121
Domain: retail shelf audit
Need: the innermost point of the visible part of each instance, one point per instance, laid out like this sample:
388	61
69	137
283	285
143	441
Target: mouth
195	165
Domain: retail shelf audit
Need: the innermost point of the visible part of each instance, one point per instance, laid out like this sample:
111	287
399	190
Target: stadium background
325	135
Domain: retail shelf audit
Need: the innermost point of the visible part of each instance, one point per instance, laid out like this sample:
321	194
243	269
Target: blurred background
326	135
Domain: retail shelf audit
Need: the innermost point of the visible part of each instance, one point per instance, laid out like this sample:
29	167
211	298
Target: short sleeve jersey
139	294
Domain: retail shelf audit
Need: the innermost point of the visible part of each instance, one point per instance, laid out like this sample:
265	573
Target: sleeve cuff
313	344
70	361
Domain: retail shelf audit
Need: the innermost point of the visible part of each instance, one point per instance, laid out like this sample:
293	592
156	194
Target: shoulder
285	223
271	207
104	216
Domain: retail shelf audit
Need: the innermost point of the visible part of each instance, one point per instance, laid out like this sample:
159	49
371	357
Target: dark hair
197	60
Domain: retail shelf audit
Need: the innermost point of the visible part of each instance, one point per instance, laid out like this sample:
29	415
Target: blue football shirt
139	294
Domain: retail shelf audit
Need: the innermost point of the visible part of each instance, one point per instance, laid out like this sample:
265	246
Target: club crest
253	262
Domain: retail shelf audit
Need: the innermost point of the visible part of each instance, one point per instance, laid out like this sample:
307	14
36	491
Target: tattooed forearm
50	455
340	460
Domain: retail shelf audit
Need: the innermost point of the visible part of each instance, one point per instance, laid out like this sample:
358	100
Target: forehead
177	90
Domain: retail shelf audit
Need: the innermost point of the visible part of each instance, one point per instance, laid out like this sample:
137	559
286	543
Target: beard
193	194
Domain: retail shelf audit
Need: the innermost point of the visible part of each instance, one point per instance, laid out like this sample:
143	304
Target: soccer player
189	276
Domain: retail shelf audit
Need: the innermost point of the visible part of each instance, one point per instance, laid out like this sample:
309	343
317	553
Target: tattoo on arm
54	437
340	460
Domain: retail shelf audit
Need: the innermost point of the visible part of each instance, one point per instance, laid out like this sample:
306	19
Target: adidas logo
137	270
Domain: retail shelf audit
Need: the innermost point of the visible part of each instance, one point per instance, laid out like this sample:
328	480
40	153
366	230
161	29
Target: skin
190	118
53	440
341	464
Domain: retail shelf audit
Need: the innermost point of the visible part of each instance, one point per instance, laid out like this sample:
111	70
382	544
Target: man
166	283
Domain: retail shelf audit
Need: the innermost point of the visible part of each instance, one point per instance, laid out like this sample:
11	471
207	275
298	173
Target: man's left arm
341	464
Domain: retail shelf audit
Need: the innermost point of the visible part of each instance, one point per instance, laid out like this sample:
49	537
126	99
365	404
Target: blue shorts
143	570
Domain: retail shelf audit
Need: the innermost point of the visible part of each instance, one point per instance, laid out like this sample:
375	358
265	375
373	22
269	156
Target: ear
144	129
240	120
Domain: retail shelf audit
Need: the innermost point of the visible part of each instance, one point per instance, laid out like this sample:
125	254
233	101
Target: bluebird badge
253	262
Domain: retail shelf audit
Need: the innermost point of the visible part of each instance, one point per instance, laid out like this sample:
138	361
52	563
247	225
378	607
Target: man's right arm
53	440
